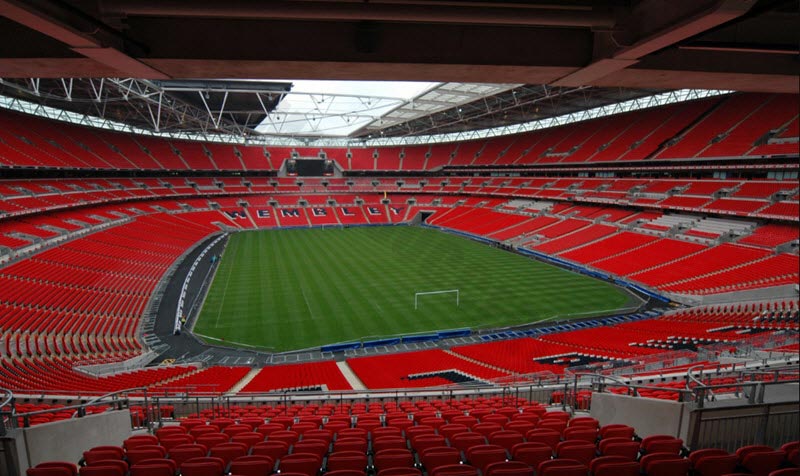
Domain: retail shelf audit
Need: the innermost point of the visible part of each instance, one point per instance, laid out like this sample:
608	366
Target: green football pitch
300	288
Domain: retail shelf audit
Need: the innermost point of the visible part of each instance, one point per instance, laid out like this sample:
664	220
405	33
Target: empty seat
508	468
302	463
531	453
761	463
576	450
547	436
464	441
422	442
176	439
140	440
351	444
185	452
482	456
346	472
48	472
252	465
102	452
669	467
210	440
617	430
314	447
582	433
274	449
249	438
661	444
103	470
154	468
455	470
388	442
627	468
398	472
562	467
341	460
506	438
393	458
227	452
203	466
434	457
145	452
715	465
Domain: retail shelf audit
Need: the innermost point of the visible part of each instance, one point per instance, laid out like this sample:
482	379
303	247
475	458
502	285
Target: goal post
445	291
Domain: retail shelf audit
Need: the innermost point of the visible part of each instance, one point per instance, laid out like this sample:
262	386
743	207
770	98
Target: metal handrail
80	409
7	399
698	383
631	386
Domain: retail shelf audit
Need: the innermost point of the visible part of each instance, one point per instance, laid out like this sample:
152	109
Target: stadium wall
650	416
67	440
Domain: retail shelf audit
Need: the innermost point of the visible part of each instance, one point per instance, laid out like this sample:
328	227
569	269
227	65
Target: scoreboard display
309	167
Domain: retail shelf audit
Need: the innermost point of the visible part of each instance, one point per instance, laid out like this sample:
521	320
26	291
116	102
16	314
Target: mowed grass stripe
300	288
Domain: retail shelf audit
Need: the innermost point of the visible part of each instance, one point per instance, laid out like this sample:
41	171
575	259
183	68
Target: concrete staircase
351	377
244	381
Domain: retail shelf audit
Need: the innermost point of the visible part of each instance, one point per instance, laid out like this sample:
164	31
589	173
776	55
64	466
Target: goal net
428	293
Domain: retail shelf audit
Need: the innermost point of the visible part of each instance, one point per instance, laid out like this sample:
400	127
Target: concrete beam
76	40
651	27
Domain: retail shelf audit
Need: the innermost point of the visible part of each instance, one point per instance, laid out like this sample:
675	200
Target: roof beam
77	41
485	13
652	26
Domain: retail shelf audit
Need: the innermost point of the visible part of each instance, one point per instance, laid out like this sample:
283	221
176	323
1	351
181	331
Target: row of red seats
420	369
531	440
739	120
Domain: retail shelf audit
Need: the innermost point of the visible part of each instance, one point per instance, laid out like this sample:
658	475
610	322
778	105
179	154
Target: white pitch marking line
303	292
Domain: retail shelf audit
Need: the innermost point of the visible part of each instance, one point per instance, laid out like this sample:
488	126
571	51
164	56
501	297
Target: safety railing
119	400
6	409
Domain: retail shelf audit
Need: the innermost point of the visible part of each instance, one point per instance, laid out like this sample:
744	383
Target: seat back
455	470
531	453
304	463
483	455
398	472
579	451
761	463
152	469
228	451
48	472
464	441
617	430
715	464
252	466
562	467
547	436
393	458
434	457
509	468
628	468
202	466
274	449
102	470
72	468
669	467
142	453
506	438
628	449
340	460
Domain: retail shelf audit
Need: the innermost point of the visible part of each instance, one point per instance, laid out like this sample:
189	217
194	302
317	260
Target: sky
338	108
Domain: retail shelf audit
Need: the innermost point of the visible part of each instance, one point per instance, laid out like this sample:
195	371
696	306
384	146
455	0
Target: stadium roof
471	64
310	109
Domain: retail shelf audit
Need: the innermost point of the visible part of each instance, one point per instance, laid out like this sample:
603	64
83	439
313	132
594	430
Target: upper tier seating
721	127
